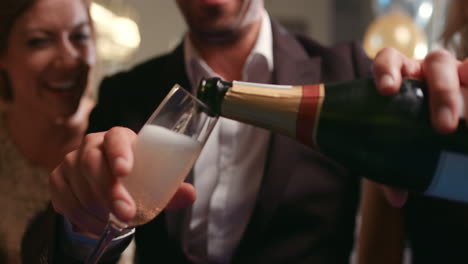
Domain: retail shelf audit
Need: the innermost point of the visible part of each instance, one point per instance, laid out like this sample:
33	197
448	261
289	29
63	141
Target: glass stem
114	227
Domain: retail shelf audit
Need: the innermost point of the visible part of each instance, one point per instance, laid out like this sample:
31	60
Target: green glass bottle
388	139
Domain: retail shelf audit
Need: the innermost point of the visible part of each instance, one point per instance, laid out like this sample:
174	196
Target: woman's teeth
62	86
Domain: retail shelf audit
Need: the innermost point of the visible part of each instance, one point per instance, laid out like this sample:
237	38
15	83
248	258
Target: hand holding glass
166	149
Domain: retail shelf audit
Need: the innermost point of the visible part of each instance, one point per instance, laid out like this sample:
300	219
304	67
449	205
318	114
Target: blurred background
132	31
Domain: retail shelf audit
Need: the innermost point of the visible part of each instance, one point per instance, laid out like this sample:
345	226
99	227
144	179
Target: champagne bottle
387	139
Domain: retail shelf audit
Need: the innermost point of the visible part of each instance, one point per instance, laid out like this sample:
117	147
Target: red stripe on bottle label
308	114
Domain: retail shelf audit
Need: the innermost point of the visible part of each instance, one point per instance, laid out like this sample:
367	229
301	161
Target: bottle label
450	180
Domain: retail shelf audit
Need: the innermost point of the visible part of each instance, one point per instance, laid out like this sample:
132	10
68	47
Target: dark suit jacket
306	205
436	230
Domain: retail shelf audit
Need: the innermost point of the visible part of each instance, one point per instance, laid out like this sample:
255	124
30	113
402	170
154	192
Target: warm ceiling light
117	36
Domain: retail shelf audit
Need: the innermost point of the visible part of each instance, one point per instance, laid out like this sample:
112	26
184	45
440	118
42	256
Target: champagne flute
166	149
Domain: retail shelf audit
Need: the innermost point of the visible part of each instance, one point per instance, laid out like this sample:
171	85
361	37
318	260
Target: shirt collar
197	68
264	44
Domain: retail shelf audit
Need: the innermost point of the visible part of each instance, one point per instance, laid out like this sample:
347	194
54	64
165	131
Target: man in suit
262	198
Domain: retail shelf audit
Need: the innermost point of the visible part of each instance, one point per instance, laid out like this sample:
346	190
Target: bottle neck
211	92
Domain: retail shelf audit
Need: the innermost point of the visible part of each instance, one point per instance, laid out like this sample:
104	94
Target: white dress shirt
228	173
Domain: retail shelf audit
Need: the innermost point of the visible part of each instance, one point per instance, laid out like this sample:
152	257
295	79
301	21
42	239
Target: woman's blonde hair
455	35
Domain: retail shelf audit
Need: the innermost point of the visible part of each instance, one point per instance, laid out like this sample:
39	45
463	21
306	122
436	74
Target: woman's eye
37	42
80	37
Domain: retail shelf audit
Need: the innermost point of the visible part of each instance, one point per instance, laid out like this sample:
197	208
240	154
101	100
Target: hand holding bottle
446	80
387	139
445	76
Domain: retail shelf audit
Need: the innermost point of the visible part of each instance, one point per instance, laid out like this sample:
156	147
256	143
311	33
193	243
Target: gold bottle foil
289	110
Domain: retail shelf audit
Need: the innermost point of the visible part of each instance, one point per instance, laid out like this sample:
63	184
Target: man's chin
218	36
215	2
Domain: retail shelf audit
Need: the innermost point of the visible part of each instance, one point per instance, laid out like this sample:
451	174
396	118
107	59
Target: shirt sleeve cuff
80	246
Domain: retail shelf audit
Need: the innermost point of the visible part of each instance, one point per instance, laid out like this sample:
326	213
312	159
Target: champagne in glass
155	177
166	149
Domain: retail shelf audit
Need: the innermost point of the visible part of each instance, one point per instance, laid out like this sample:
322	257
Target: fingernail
400	199
387	81
120	165
122	206
444	116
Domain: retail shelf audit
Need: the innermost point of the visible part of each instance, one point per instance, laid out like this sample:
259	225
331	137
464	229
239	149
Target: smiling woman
47	54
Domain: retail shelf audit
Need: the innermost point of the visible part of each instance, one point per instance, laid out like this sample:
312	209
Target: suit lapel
292	66
292	63
175	69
